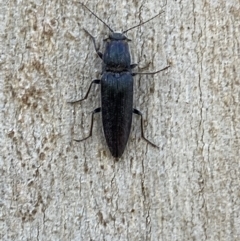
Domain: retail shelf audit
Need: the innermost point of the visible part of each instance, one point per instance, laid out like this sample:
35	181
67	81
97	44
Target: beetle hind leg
137	112
91	127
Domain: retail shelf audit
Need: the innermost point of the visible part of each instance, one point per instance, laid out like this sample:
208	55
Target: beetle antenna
143	22
96	16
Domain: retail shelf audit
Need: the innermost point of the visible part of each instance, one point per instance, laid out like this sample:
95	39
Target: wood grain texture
55	189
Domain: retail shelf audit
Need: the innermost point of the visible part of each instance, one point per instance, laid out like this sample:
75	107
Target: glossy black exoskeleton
116	90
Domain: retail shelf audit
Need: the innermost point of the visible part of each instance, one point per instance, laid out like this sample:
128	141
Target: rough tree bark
55	189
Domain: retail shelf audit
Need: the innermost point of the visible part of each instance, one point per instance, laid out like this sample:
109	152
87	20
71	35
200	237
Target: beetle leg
132	66
135	111
95	45
96	81
91	127
133	74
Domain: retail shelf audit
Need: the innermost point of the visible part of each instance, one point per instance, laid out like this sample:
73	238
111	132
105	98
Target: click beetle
116	89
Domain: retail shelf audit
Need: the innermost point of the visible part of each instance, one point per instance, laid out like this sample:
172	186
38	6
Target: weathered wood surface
55	189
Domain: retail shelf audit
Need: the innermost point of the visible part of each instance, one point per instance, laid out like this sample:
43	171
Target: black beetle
116	90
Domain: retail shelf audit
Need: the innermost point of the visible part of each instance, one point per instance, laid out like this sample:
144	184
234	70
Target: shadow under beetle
116	90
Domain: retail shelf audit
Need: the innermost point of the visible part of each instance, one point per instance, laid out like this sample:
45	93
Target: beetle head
118	36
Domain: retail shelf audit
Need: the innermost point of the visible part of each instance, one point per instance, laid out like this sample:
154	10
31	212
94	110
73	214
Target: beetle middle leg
133	74
96	81
135	111
91	127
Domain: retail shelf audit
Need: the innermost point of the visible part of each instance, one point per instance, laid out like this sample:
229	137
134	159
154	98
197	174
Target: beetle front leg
96	81
137	112
95	45
91	127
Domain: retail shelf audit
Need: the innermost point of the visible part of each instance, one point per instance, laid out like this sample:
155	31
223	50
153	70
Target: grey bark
55	189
